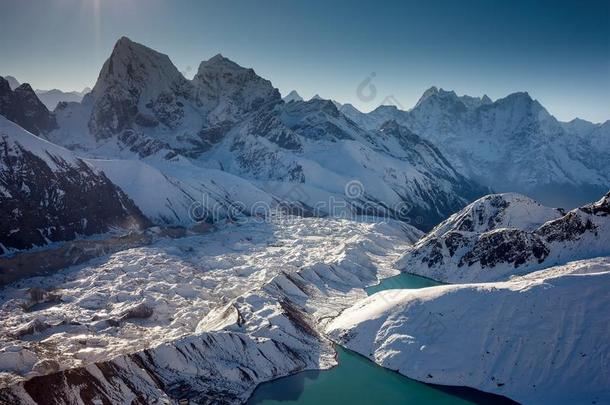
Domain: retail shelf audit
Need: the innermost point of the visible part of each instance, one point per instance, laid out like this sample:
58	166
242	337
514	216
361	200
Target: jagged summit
13	82
137	85
386	108
450	96
23	107
219	62
429	92
293	96
227	90
133	64
25	88
522	103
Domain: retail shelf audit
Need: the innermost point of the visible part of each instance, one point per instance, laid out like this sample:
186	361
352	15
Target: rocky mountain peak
141	70
439	99
521	105
386	109
293	96
486	100
136	85
23	107
25	88
13	83
227	90
428	93
218	62
493	211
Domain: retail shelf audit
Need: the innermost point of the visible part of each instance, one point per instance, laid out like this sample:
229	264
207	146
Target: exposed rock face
228	91
24	108
141	95
12	81
502	235
47	194
137	86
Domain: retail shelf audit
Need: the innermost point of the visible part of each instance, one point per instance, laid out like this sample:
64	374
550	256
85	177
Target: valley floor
209	317
274	283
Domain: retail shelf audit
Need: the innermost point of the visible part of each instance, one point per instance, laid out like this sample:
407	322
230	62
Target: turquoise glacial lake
359	381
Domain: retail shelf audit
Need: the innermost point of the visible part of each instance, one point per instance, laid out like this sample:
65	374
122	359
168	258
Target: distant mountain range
50	98
511	144
226	138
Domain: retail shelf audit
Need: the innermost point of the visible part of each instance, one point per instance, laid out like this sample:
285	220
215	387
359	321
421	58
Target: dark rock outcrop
23	107
47	194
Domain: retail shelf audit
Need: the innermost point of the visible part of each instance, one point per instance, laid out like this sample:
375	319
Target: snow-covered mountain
229	119
228	91
23	107
51	98
309	152
292	96
597	135
538	339
47	194
502	235
512	144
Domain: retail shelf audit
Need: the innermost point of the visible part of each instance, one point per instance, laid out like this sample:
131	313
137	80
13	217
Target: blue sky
558	51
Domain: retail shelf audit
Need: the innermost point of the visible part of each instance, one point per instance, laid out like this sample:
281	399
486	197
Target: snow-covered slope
47	194
177	192
512	144
538	339
309	152
506	234
508	210
597	135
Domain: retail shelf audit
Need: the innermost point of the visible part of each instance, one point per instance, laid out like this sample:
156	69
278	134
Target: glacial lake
359	381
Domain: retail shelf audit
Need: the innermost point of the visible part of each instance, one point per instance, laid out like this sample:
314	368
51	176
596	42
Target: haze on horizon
557	51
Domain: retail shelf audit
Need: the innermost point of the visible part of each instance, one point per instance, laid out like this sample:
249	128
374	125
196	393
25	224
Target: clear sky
558	51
